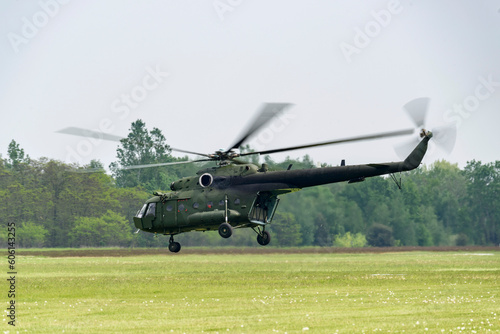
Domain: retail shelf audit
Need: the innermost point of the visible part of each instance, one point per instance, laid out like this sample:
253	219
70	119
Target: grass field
411	292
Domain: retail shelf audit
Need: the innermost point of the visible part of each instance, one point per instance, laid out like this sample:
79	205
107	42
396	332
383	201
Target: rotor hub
425	133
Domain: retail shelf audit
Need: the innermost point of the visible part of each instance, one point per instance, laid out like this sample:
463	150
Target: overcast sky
199	70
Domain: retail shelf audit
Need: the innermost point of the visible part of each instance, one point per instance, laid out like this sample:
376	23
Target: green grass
315	293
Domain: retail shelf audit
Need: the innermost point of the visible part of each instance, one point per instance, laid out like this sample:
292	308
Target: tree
461	240
424	236
353	220
483	201
111	229
446	191
403	227
379	235
286	229
348	240
143	147
16	155
31	235
438	205
322	236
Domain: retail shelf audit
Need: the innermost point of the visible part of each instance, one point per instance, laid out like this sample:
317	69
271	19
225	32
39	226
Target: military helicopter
235	194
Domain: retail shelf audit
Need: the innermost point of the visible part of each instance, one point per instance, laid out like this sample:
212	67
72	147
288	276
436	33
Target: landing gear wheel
225	230
264	238
174	247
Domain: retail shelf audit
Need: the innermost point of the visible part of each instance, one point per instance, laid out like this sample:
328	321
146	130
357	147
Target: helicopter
235	194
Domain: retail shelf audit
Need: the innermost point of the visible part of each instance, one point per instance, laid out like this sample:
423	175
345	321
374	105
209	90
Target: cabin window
221	202
170	207
151	210
237	201
180	208
141	211
196	205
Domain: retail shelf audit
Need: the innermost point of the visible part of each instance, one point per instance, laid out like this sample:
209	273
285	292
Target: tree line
55	204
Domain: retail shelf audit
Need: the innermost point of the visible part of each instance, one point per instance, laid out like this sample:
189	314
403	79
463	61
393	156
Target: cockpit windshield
140	213
151	210
147	210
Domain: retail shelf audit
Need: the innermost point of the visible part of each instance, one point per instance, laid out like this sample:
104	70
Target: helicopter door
263	208
182	212
169	213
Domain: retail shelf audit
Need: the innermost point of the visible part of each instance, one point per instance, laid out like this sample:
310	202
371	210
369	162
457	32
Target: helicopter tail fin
416	156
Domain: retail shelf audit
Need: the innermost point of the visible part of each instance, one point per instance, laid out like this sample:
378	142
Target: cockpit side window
140	214
151	210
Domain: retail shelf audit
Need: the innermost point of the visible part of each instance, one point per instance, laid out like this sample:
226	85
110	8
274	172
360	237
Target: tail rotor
443	136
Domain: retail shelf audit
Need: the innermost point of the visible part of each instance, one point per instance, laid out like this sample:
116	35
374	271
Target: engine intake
206	180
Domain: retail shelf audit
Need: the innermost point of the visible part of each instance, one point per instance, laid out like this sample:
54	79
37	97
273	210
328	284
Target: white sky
71	64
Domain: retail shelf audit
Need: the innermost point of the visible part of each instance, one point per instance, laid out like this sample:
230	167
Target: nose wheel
225	230
173	246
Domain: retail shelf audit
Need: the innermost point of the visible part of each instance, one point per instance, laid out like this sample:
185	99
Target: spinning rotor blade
190	152
417	109
164	164
87	170
267	112
338	141
105	136
445	137
89	133
96	170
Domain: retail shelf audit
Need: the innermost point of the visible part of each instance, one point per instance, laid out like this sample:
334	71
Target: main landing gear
173	246
263	237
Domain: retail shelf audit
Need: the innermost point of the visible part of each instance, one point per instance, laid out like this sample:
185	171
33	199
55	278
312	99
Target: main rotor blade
267	112
86	170
417	109
164	164
106	136
89	133
338	141
190	152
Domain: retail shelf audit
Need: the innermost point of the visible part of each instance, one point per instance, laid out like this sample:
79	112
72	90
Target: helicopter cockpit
148	209
145	216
